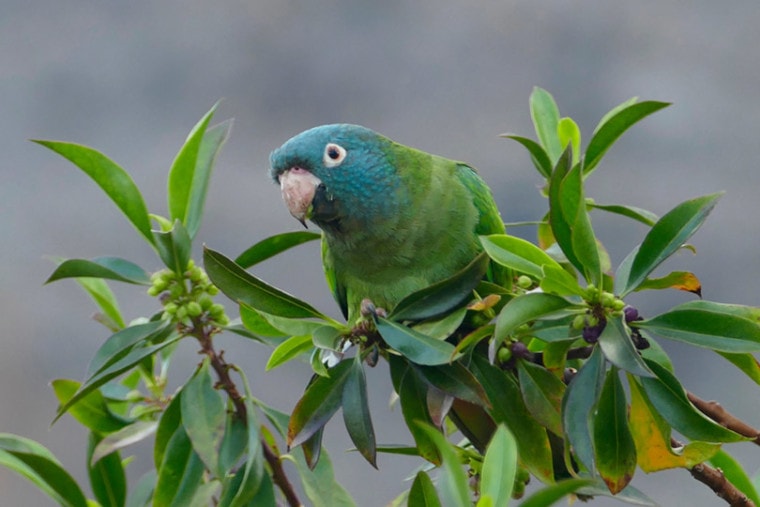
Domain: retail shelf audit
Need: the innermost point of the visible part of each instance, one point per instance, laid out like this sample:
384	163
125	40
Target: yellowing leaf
651	434
680	280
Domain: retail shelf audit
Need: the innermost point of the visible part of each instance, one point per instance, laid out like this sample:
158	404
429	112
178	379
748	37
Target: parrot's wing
489	221
337	289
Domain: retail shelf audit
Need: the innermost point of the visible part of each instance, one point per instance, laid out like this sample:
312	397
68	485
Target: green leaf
613	127
577	408
667	236
549	495
212	142
570	134
537	154
104	298
706	326
669	398
356	414
746	363
441	328
561	223
556	280
174	247
111	178
681	280
555	330
182	177
455	380
203	417
734	472
499	467
289	349
113	268
234	442
92	410
518	254
170	420
412	392
543	393
616	343
272	246
120	343
441	296
128	435
455	480
180	474
37	464
508	407
526	308
320	484
614	448
422	493
413	345
638	214
239	285
142	493
321	400
107	477
545	116
205	494
255	322
612	112
582	239
117	368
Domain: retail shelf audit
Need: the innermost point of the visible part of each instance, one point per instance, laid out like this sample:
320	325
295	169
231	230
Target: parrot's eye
334	155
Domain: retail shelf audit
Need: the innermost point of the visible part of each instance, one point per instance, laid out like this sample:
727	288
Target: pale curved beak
298	187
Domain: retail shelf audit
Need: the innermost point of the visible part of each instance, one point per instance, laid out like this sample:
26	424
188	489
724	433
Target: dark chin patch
325	207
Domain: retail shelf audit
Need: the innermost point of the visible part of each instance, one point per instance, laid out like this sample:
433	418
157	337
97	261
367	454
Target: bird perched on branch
394	219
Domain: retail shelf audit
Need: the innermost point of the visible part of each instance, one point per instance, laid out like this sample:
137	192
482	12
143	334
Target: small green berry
170	308
579	322
181	312
216	310
607	299
205	302
618	304
504	354
524	282
212	290
194	309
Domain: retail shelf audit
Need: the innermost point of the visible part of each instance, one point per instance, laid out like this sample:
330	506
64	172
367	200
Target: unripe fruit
194	309
524	282
504	354
579	322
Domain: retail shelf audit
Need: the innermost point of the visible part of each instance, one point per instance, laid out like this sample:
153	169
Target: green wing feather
338	290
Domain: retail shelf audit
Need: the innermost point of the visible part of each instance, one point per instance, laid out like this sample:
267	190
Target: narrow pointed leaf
455	380
182	173
142	493
289	349
180	473
455	479
170	421
582	239
570	135
618	348
112	268
669	399
37	464
651	435
441	328
543	393
105	299
545	116
577	408
412	393
203	416
107	477
613	127
126	436
441	296
239	285
526	308
708	327
321	400
561	223
680	280
556	280
638	214
174	247
734	472
614	449
415	346
272	246
537	154
471	420
112	371
118	344
667	236
356	414
111	178
212	143
499	467
508	407
518	254
549	495
92	410
423	493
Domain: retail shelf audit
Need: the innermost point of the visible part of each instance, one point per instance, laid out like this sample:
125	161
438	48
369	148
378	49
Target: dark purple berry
519	349
631	314
592	333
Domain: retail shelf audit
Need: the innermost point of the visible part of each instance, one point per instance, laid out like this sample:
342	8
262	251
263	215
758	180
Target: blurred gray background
132	78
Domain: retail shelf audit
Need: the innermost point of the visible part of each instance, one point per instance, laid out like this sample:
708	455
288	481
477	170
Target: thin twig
716	481
717	413
222	369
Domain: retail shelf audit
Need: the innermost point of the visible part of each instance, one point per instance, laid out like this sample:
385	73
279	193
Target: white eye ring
334	155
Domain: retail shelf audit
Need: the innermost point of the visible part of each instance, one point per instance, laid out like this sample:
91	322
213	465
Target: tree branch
716	481
717	413
204	336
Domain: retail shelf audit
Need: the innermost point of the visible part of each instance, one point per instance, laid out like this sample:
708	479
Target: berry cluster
187	296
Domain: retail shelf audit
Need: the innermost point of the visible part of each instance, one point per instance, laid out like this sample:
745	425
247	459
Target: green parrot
394	219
